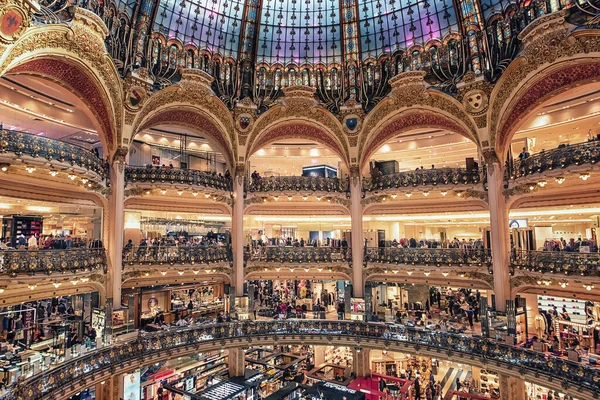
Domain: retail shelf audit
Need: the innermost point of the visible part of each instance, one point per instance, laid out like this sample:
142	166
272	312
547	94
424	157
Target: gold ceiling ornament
14	20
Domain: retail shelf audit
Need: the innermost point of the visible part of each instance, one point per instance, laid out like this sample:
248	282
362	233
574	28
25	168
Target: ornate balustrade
560	158
559	262
16	262
161	255
21	143
298	184
144	348
439	257
299	254
177	176
423	177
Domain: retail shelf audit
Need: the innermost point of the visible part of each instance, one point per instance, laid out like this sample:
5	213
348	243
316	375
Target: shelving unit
16	225
575	308
339	356
489	383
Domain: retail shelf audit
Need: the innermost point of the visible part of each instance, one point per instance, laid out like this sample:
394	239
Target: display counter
330	373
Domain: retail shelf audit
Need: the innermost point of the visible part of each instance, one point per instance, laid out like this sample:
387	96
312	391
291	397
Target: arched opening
59	98
407	122
545	89
192	132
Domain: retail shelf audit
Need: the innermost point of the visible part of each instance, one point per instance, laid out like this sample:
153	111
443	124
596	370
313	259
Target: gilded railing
299	254
558	262
559	158
147	347
191	255
21	143
423	177
177	176
297	184
16	262
418	256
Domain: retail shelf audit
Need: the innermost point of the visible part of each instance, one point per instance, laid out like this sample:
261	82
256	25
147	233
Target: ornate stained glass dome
347	50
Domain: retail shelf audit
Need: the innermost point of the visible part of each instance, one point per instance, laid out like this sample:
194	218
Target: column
358	245
499	233
237	237
361	363
116	227
512	388
236	362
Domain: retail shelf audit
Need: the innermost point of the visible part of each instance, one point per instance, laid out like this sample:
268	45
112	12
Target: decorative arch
300	130
407	120
537	88
194	119
194	105
75	58
318	124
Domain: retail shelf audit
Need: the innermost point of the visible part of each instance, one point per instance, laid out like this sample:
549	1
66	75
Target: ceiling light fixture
443	192
194	194
207	195
180	192
290	198
304	198
32	287
30	169
560	180
84	180
318	198
57	284
584	176
408	194
542	183
531	187
4	167
72	177
393	196
163	191
409	272
275	198
53	172
148	191
426	193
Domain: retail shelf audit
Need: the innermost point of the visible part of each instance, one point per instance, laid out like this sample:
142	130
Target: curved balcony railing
160	255
16	262
439	257
144	347
560	158
177	176
21	143
298	184
423	177
299	255
559	262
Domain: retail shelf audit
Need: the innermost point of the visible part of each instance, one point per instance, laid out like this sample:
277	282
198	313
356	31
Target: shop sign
337	387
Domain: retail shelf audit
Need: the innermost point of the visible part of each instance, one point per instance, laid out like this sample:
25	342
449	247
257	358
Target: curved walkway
96	366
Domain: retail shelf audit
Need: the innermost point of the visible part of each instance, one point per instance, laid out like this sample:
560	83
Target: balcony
299	255
174	176
557	262
427	257
297	184
98	365
171	255
423	177
25	144
32	262
556	159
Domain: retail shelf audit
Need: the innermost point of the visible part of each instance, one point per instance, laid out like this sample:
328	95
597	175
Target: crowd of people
209	240
49	242
433	244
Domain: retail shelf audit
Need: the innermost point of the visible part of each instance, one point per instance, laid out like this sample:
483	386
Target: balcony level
577	379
